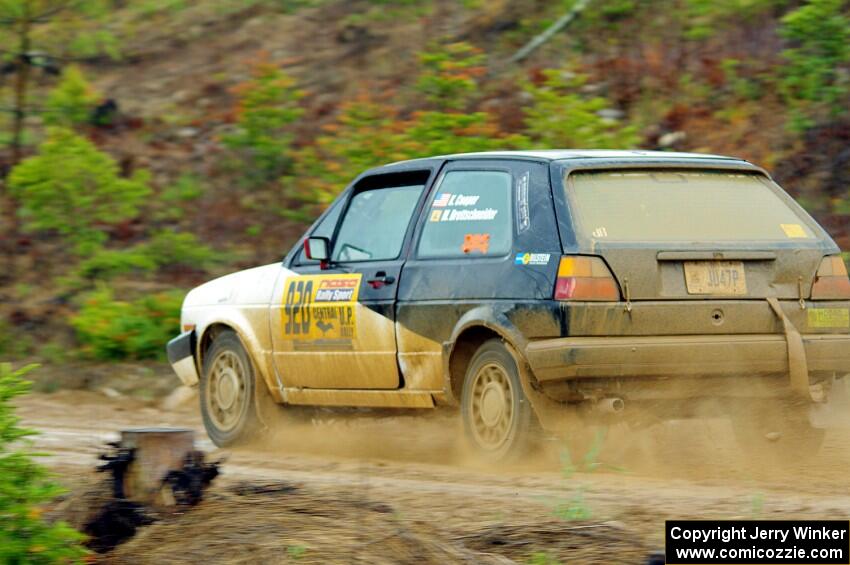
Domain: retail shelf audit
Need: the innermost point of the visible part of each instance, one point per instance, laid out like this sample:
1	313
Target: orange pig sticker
476	242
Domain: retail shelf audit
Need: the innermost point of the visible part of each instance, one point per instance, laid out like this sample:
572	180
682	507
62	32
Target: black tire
498	420
228	392
784	437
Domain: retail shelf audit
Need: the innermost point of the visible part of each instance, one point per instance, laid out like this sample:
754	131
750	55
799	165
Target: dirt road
405	480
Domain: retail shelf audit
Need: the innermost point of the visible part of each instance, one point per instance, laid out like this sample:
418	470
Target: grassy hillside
228	124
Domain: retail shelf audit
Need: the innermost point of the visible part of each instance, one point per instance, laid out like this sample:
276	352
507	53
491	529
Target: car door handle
380	280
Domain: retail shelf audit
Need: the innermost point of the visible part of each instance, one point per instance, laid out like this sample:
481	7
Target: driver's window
374	225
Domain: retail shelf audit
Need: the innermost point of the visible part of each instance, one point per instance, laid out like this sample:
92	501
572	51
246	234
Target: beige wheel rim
226	391
492	409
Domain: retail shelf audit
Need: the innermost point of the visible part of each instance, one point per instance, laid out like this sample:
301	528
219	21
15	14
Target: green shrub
25	537
168	248
815	79
703	18
368	133
106	264
73	189
186	188
165	248
267	109
450	74
107	328
559	116
14	344
70	104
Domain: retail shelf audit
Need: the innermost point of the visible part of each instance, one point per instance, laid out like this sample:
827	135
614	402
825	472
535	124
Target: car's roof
564	154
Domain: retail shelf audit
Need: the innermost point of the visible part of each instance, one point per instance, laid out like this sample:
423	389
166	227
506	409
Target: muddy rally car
537	291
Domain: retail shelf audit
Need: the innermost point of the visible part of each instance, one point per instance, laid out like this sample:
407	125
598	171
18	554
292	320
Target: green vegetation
559	116
296	552
267	108
368	133
757	506
187	177
114	329
25	486
71	189
542	558
574	506
70	104
449	77
815	80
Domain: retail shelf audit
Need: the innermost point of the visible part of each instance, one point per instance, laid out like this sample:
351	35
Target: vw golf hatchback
539	289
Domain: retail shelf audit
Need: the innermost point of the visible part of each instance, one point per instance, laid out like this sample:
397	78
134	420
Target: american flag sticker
442	200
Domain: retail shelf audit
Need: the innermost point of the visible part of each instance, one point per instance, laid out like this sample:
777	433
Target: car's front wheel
228	404
498	419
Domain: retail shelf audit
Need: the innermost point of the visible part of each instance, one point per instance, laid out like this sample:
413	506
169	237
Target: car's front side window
375	223
470	213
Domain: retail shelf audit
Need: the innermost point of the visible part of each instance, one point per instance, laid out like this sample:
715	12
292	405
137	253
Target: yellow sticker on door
321	307
794	231
829	317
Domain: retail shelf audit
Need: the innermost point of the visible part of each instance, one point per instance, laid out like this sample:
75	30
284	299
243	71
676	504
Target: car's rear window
681	206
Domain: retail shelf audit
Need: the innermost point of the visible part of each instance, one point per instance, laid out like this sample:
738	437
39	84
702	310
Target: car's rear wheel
498	419
228	395
782	436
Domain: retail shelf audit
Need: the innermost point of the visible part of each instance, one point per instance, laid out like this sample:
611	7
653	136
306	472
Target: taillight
585	278
831	282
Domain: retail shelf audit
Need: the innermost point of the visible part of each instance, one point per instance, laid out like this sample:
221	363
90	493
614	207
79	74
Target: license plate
716	278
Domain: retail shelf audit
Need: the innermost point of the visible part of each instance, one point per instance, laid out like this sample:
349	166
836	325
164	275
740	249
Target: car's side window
375	223
325	228
470	214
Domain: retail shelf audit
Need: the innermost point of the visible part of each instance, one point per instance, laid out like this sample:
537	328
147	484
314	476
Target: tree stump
156	453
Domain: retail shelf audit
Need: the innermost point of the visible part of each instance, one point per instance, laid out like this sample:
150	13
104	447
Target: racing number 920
296	308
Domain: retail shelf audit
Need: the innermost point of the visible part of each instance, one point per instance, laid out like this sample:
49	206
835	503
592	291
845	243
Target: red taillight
585	278
831	282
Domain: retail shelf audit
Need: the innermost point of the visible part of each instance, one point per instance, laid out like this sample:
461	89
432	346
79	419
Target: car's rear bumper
570	358
181	357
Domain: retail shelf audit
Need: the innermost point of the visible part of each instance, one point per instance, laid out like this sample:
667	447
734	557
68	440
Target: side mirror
317	249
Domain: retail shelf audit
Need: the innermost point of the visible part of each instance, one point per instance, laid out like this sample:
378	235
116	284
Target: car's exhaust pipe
611	405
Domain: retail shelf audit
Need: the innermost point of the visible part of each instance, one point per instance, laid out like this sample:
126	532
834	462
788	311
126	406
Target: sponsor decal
829	317
320	307
600	232
532	258
794	231
336	290
476	242
435	215
442	200
474	215
461	200
447	200
523	215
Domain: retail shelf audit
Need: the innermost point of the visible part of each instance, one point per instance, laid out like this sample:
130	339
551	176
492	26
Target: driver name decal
320	308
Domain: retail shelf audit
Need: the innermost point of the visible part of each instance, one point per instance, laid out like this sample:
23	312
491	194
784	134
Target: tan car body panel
369	364
249	303
421	360
239	301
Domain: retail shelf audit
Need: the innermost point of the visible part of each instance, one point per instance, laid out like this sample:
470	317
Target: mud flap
798	368
835	412
553	416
